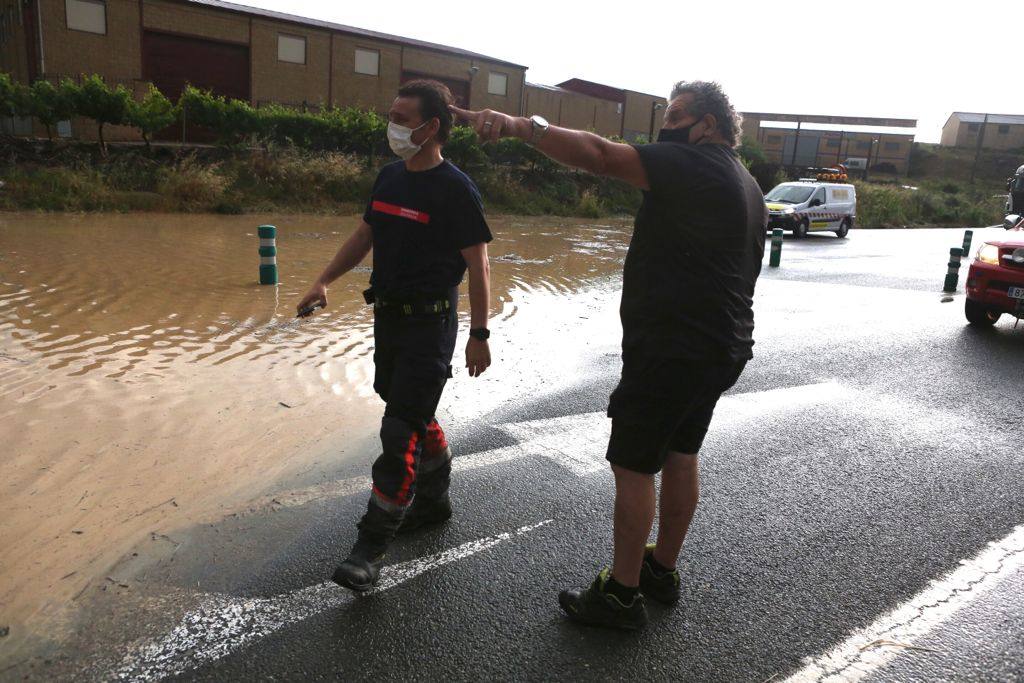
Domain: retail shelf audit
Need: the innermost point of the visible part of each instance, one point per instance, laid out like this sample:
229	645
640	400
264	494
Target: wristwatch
540	127
480	333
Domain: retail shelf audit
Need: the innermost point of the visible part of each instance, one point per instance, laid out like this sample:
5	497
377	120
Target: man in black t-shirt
687	324
425	224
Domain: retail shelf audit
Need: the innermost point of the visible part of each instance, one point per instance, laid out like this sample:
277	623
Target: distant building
640	115
250	54
805	147
599	108
993	131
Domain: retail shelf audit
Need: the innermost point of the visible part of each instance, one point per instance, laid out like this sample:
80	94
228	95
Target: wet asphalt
815	518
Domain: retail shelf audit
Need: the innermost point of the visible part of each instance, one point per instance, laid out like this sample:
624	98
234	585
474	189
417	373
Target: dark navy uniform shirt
421	220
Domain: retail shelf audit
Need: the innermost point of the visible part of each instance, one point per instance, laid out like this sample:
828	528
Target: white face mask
400	140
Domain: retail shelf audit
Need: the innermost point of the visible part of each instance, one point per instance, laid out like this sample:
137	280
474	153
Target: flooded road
147	382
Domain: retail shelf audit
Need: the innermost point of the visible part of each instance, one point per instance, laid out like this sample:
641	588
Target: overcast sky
868	58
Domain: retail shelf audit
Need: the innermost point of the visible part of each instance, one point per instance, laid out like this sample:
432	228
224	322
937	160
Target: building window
892	147
973	127
86	15
1004	129
618	107
291	49
367	62
497	83
64	129
833	143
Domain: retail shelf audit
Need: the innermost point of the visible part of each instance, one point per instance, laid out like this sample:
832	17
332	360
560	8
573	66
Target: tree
751	153
15	99
154	113
103	104
51	104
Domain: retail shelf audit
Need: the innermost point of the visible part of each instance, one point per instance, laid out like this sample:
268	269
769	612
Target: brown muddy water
147	382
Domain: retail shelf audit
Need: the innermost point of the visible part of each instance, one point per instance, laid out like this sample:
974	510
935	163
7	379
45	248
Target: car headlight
989	253
789	211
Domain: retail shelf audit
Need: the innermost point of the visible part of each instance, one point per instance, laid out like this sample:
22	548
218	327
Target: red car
995	283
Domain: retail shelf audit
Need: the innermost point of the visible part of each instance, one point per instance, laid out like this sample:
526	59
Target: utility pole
977	149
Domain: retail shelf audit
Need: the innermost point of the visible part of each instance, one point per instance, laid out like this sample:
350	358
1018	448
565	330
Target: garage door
172	61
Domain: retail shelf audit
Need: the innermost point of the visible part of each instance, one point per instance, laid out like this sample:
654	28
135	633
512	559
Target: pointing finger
463	114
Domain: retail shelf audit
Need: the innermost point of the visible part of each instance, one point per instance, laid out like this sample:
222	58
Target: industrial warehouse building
249	54
802	147
261	56
989	131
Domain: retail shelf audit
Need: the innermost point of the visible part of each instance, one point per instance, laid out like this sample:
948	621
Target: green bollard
968	236
954	269
268	254
776	254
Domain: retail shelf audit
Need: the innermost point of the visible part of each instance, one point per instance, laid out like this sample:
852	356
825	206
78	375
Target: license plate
1015	292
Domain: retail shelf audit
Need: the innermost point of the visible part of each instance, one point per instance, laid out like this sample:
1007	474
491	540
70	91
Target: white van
809	205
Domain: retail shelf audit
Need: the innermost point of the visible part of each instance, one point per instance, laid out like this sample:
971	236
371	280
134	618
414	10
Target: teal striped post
953	274
268	254
776	254
968	236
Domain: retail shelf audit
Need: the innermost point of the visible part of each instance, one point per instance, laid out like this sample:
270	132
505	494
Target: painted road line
867	650
578	442
223	624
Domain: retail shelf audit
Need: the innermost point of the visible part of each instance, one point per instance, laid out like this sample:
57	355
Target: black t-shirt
698	242
421	220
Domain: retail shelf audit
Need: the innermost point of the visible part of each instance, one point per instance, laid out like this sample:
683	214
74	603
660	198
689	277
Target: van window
841	194
789	194
819	195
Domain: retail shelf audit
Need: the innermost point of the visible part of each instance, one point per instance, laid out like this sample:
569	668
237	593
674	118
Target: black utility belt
403	306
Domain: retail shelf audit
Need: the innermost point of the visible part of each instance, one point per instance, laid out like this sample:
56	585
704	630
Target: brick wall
362	90
274	80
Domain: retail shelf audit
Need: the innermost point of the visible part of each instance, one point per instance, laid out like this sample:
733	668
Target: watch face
539	120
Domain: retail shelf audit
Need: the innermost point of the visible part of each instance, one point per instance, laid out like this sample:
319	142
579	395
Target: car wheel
800	231
979	316
844	228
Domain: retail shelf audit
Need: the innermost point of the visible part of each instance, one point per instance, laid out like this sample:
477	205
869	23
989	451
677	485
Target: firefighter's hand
478	356
317	294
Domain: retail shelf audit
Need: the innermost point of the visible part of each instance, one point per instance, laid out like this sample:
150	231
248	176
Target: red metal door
172	61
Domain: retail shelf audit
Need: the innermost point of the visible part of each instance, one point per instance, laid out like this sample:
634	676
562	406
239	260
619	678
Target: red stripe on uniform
401	212
410	470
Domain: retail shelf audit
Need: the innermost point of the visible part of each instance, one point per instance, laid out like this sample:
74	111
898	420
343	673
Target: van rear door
840	202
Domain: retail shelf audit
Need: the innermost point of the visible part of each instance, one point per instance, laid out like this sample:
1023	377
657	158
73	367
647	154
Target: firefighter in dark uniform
425	225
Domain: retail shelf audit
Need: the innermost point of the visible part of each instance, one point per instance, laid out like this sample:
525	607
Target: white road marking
865	651
223	624
578	442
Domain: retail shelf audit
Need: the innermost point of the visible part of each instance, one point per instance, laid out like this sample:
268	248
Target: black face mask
681	135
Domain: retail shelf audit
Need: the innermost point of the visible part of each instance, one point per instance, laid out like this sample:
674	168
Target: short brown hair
434	98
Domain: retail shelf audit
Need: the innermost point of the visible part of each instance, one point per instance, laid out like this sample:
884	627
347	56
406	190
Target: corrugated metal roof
342	28
553	88
971	117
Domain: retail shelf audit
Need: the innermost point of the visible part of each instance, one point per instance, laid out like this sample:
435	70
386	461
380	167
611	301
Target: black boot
431	504
424	512
361	569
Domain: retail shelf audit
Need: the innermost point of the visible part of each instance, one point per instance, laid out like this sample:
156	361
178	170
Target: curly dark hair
709	98
434	98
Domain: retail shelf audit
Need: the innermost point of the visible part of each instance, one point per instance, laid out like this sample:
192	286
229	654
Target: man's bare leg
634	516
680	490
